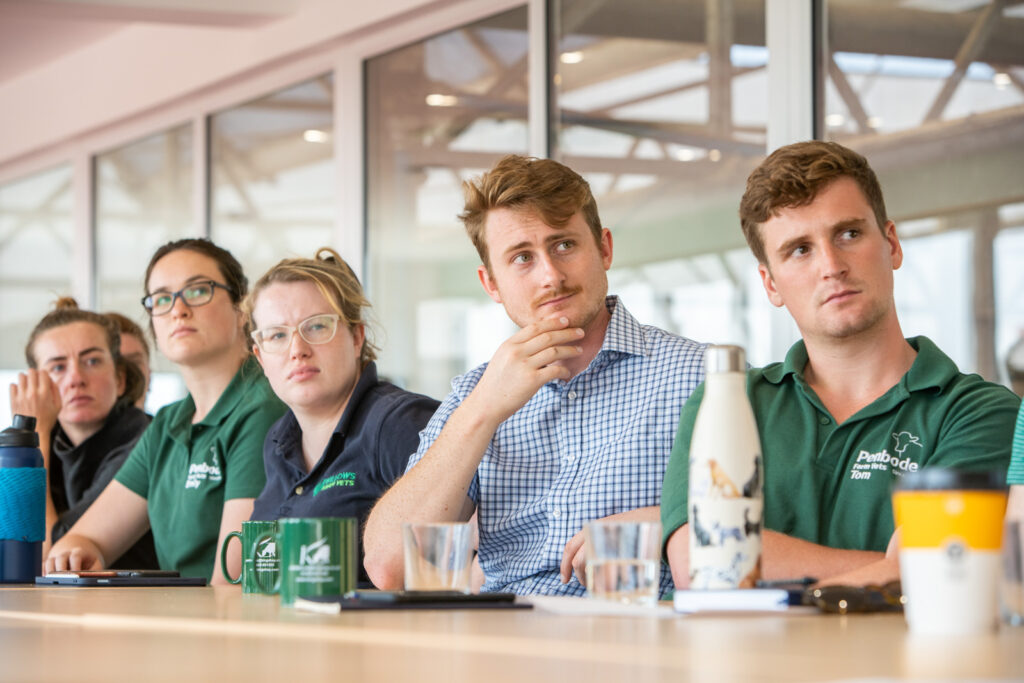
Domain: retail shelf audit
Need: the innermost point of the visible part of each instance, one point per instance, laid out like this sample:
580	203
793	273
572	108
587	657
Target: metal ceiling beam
969	51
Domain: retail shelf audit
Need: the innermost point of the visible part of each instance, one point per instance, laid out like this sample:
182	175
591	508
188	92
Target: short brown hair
66	312
126	325
335	280
793	176
552	190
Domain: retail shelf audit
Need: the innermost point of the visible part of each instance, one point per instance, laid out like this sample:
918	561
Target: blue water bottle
22	502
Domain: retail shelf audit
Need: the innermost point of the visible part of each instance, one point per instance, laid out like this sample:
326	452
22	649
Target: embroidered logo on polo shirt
198	472
904	439
340	479
868	463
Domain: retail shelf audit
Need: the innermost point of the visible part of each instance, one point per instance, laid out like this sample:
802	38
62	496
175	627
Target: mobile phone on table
414	597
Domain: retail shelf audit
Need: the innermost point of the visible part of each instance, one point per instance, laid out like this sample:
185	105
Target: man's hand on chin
525	362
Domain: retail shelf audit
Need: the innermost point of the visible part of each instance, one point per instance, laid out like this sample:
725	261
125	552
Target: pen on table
778	583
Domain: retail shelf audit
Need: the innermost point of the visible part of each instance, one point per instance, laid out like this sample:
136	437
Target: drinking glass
623	561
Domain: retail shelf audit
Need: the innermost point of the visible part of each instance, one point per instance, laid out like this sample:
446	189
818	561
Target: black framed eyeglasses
193	294
317	329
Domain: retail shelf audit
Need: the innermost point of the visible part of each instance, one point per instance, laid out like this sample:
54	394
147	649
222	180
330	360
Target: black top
78	475
367	452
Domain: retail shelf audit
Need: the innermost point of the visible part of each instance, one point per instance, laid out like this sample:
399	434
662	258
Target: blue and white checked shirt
577	451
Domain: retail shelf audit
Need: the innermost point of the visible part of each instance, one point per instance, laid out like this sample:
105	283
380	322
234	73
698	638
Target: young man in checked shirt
572	419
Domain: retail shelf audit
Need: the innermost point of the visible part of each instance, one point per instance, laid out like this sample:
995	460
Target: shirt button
823	420
298	490
556	513
572	394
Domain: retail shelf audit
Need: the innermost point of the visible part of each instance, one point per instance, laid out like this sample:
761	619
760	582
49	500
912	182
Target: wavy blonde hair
335	280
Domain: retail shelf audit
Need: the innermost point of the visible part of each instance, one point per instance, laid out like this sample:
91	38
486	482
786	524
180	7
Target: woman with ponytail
81	391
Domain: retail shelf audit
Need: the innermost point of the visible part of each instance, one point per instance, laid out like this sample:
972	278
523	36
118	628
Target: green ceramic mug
318	557
263	562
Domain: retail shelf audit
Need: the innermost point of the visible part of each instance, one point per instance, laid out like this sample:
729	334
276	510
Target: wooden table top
193	634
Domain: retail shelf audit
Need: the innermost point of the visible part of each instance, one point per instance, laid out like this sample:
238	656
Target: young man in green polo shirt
854	405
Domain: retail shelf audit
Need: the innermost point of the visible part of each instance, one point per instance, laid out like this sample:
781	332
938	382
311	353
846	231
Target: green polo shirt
1016	473
829	483
186	471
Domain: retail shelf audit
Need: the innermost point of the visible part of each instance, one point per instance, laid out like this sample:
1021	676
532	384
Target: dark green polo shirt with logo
830	484
186	471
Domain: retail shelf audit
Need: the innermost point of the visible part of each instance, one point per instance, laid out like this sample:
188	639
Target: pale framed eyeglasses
318	329
193	294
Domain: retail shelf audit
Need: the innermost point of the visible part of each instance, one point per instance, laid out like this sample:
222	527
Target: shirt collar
931	368
60	443
289	432
229	398
796	359
367	380
624	333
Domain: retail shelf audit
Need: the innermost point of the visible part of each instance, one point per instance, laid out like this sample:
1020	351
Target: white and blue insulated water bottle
22	502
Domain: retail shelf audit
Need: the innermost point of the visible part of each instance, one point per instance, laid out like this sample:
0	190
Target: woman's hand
35	395
73	553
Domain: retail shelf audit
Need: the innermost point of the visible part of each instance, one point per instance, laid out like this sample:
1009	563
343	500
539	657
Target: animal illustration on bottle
725	532
721	484
700	533
753	484
750	527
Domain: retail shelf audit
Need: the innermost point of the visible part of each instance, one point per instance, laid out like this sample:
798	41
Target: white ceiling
36	32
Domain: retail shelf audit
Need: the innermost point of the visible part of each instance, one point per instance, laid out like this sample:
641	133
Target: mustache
551	296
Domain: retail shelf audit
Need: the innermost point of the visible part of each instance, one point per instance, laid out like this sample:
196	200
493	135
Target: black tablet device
119	577
373	599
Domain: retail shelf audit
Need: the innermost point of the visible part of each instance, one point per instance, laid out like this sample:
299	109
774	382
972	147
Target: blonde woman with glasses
347	435
195	472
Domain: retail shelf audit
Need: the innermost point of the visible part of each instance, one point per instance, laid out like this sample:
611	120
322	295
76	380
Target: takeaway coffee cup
951	526
318	557
263	561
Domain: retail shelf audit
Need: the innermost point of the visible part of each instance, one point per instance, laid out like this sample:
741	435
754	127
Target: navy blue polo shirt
367	452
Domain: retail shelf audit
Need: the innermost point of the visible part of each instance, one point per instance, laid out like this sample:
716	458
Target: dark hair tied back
66	312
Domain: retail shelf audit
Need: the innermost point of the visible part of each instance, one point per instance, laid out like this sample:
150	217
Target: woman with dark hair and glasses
347	435
194	474
80	388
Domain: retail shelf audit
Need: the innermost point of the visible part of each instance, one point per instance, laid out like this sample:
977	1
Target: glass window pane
438	112
273	179
933	94
663	108
35	263
143	200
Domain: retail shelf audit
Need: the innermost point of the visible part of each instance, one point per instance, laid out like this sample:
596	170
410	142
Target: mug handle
224	557
257	575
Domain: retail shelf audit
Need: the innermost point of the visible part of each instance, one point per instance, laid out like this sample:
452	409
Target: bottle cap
725	358
22	433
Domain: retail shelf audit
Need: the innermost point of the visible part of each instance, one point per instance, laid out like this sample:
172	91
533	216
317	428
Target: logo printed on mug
317	552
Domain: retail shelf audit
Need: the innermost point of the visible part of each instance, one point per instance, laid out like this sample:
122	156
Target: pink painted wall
144	66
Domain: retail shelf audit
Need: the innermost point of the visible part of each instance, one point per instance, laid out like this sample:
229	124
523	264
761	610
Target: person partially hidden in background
855	404
135	349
